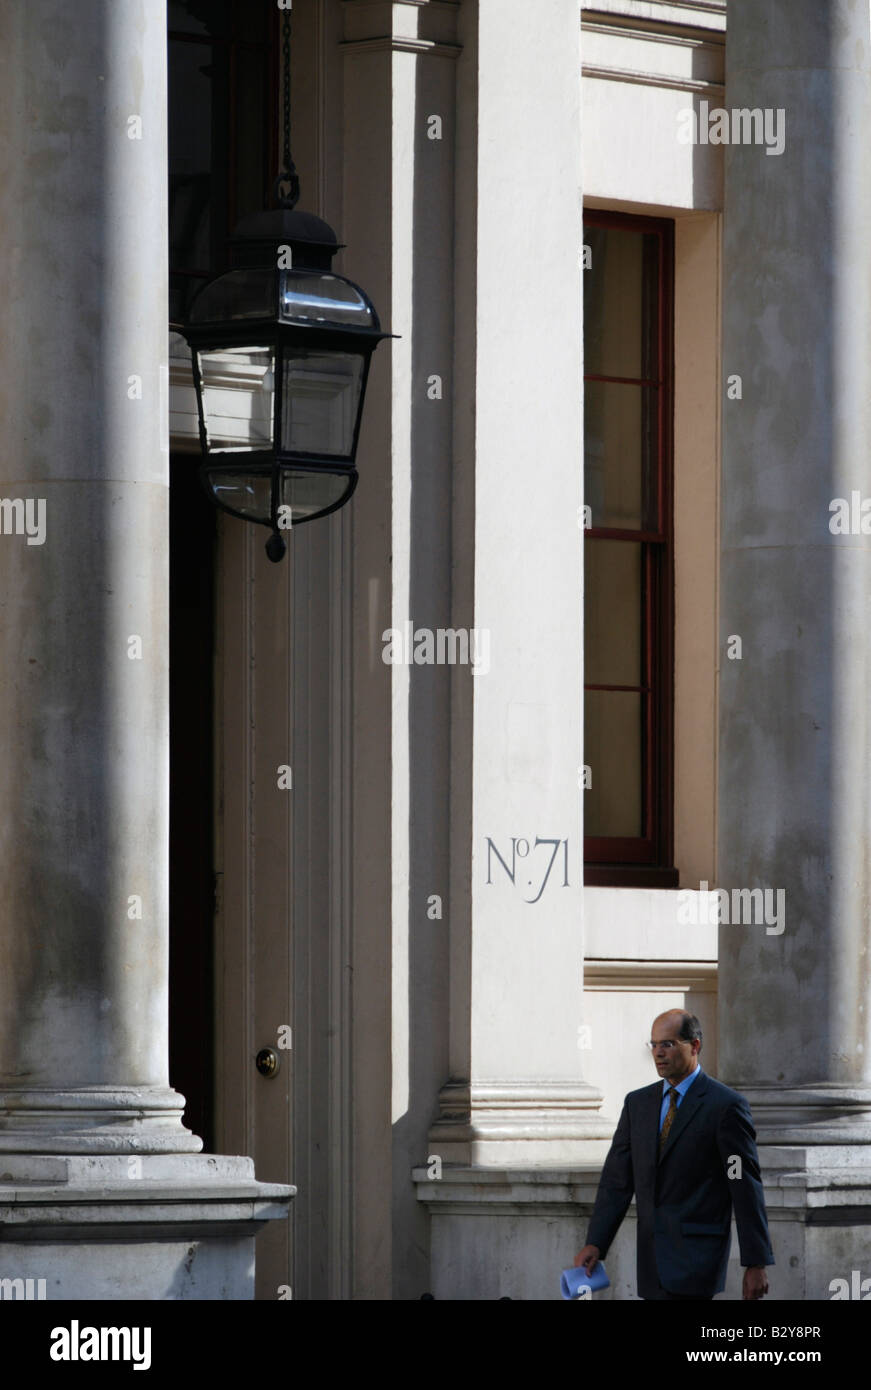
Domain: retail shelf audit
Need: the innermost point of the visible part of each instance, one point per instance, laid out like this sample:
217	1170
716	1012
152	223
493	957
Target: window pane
619	455
612	613
612	750
620	303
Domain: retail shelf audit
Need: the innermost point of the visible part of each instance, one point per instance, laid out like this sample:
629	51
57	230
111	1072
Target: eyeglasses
668	1044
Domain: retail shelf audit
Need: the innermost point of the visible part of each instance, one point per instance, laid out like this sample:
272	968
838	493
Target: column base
819	1214
95	1120
820	1114
543	1122
509	1233
129	1227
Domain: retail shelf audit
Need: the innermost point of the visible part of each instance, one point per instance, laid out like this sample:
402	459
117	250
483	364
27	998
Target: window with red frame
628	561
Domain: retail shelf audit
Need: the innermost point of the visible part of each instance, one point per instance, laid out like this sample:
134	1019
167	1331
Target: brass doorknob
267	1062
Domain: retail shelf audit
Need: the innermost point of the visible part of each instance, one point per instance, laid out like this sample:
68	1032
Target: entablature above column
672	15
665	48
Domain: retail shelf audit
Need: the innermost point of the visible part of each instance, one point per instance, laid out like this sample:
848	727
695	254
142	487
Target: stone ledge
798	1158
52	1170
145	1220
75	1191
535	1191
543	1191
138	1192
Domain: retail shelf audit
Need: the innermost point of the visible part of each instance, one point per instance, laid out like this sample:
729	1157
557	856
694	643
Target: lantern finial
275	547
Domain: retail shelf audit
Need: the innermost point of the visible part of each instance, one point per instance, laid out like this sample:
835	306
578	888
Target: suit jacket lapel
650	1123
686	1112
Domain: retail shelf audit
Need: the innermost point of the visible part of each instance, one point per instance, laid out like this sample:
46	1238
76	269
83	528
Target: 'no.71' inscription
520	850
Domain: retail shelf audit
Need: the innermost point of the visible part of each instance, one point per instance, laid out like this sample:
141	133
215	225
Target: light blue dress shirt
681	1089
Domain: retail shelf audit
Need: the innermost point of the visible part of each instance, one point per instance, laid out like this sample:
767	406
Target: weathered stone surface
85	1100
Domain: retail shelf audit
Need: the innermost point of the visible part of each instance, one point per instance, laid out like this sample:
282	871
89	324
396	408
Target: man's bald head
675	1041
679	1023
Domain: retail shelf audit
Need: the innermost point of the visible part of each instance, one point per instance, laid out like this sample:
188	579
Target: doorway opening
192	533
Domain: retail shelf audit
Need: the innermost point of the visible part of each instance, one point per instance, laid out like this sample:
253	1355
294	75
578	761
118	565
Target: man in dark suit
686	1148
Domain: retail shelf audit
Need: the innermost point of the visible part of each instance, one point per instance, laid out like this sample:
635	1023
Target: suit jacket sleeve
736	1138
616	1188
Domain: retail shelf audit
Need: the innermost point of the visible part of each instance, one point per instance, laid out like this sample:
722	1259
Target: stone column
516	1112
795	720
517	1094
399	63
84	651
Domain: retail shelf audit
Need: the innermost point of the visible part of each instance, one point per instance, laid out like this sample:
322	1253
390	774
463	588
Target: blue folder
573	1280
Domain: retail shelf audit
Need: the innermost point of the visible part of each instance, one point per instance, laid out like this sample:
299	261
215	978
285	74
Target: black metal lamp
281	348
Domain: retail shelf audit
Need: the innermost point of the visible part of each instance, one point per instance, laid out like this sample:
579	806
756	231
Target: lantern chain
288	177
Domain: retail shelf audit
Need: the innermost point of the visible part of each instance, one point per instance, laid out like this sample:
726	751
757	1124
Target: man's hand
589	1258
755	1282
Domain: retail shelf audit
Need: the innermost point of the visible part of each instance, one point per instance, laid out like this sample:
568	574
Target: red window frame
647	860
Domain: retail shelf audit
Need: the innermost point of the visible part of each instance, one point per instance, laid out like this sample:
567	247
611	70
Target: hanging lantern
281	348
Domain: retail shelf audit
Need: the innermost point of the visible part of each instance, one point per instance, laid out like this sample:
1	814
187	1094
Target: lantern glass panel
247	494
320	401
311	492
307	298
238	389
242	294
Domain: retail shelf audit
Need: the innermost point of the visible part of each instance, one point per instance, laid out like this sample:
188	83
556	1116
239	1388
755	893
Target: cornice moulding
384	43
653	79
665	15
